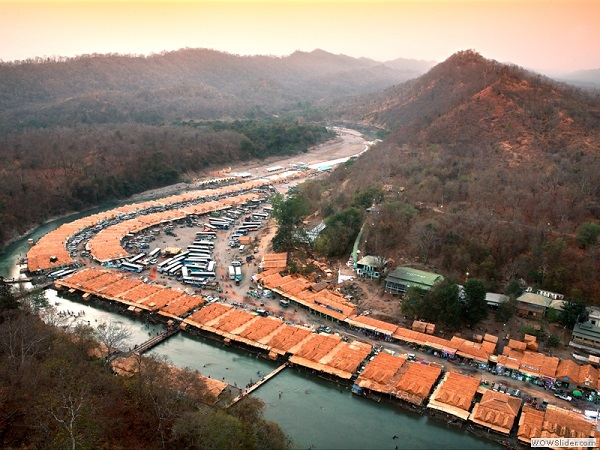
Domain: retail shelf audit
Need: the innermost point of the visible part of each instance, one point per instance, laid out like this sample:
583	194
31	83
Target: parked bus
238	275
154	253
260	216
211	266
231	273
205	274
193	280
60	273
198	249
252	227
168	268
194	261
175	270
202	255
57	273
184	271
206	243
136	258
221	226
162	265
242	231
206	235
137	268
210	227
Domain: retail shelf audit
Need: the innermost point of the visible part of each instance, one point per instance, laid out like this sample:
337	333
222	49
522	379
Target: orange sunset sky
548	36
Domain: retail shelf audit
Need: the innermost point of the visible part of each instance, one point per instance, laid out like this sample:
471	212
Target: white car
564	397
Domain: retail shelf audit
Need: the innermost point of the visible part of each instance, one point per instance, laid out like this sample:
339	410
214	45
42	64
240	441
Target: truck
231	273
238	275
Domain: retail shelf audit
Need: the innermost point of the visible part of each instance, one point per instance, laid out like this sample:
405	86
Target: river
313	412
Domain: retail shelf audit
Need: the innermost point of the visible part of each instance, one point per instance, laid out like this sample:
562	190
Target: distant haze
551	37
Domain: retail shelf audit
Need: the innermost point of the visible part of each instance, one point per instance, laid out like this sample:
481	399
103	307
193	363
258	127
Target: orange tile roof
490	338
133	292
555	422
572	372
286	338
373	324
517	345
298	289
455	394
347	356
496	411
378	374
418	381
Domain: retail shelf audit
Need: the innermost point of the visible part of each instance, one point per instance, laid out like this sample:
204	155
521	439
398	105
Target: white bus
196	281
136	258
137	268
175	270
199	249
206	235
209	244
154	253
205	274
211	266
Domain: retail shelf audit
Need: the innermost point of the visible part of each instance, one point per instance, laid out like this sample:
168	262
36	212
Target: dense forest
48	172
198	84
56	394
488	169
82	131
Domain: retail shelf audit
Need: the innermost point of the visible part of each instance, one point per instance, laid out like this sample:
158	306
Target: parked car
568	398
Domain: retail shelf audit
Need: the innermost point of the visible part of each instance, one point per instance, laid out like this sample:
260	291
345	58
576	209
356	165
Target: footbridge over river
154	341
258	384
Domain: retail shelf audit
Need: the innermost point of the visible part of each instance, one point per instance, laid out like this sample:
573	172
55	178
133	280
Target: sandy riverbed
345	144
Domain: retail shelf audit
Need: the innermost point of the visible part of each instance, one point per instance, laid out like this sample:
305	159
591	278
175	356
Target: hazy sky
544	35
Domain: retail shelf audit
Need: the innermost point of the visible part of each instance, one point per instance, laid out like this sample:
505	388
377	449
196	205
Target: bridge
258	384
155	340
18	280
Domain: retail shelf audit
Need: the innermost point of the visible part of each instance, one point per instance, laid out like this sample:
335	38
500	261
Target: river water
311	411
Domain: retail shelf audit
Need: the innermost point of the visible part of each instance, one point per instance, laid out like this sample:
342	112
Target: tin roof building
403	278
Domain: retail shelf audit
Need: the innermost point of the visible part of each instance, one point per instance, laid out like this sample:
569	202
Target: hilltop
197	84
487	169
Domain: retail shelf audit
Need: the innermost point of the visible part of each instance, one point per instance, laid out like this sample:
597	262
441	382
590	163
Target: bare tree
112	337
21	341
66	412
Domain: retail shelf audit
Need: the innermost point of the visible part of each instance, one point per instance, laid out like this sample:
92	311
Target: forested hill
469	99
197	84
487	169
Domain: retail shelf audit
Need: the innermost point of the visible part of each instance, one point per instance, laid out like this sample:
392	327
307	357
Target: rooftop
414	276
496	411
555	422
455	394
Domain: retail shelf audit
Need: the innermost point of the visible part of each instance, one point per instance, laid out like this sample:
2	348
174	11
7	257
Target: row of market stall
520	360
373	372
51	252
106	245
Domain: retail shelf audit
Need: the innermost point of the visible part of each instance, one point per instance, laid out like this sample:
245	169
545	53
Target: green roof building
402	278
